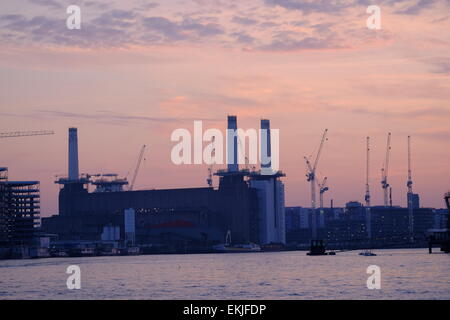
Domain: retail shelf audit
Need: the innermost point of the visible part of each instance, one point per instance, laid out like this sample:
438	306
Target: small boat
228	247
58	253
129	251
367	253
133	251
272	247
250	247
81	252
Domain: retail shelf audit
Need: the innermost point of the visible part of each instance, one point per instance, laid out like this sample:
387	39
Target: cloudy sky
138	69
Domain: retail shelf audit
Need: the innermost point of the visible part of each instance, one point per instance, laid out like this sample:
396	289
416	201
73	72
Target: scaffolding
19	210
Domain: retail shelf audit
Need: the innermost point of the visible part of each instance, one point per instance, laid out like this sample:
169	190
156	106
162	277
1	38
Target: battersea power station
247	206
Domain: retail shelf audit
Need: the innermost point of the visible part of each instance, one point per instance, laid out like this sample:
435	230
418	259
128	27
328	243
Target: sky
138	70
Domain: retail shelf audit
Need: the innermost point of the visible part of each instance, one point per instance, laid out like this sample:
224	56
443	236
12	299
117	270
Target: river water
405	274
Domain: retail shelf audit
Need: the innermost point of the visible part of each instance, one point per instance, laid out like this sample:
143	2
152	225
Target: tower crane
367	196
409	184
210	168
25	133
241	149
136	170
322	189
311	174
14	134
311	177
385	170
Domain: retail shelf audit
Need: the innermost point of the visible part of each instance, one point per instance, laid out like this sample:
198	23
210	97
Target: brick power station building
247	204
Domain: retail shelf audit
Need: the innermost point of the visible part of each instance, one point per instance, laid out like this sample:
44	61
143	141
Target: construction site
103	214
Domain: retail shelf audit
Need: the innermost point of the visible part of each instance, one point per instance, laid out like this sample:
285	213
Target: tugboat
318	249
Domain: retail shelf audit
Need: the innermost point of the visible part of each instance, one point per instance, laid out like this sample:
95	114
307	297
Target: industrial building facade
197	213
247	205
270	193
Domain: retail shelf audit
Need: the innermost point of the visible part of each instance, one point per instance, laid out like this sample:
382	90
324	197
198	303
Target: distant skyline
137	70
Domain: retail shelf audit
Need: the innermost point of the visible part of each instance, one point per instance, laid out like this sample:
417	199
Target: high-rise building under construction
19	210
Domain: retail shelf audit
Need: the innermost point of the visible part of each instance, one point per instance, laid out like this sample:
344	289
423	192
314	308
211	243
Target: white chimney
73	154
266	150
232	147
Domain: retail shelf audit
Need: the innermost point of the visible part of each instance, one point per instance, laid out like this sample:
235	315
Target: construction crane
322	189
210	168
384	173
25	133
311	174
311	177
367	196
241	149
136	170
409	184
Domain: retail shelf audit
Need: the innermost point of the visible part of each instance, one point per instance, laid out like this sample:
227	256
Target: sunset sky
137	70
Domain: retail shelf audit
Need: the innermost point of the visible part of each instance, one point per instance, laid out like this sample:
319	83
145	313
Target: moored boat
367	253
250	247
272	247
227	247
